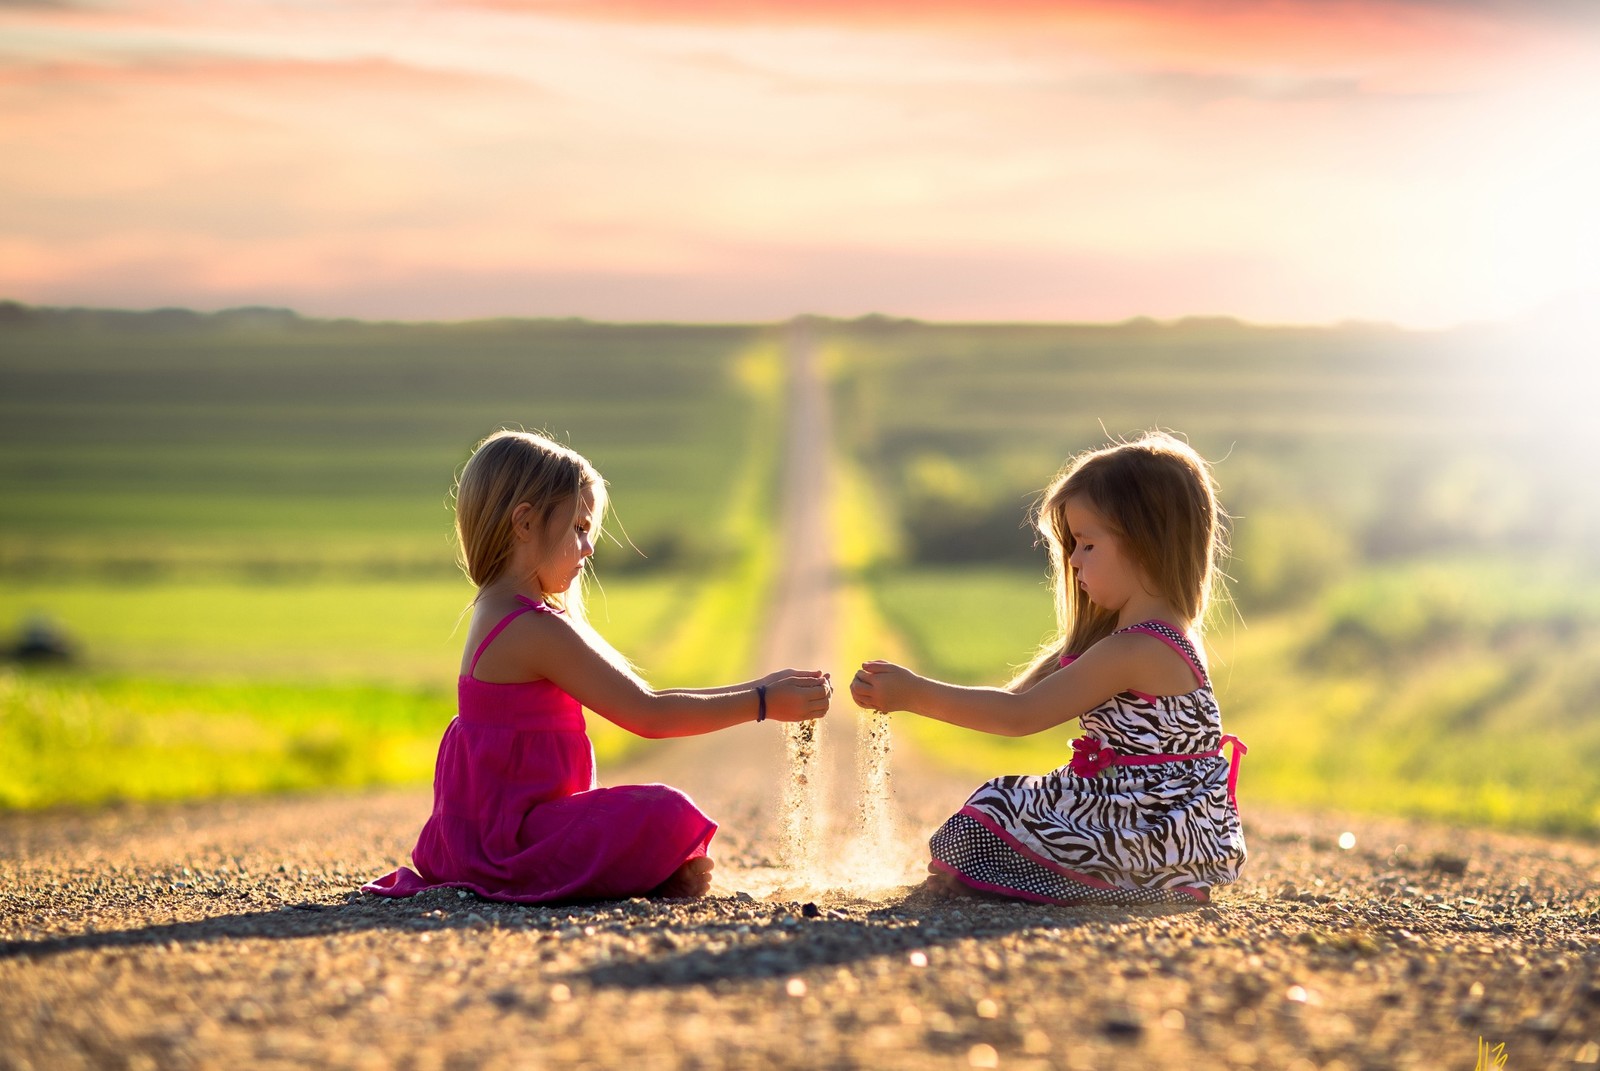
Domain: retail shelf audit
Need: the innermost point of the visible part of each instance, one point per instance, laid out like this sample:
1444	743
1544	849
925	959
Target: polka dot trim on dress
969	847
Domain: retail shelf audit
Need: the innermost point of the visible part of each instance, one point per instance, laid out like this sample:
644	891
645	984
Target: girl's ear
522	519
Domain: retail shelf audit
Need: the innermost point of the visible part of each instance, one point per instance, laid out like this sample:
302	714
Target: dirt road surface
230	934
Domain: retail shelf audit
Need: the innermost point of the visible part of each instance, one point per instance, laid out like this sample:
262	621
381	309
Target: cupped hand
881	686
801	697
779	674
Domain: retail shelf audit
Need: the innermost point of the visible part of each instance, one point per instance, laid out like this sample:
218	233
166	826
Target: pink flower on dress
1090	756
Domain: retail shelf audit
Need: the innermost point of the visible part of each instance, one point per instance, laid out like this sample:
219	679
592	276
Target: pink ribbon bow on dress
1090	756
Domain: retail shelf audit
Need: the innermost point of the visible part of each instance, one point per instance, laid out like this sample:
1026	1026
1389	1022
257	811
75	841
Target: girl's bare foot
941	883
690	880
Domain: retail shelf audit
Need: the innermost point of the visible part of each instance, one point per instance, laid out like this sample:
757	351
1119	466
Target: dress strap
528	606
1174	639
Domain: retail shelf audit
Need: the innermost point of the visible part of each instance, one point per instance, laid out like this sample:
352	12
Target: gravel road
231	934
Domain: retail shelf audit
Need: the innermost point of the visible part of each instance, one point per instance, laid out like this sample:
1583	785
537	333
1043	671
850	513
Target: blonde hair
1159	498
507	469
510	468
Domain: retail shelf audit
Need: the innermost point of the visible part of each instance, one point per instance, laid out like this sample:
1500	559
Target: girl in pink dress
517	814
1144	813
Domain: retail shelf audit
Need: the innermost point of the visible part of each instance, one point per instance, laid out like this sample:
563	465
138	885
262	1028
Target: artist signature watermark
1491	1058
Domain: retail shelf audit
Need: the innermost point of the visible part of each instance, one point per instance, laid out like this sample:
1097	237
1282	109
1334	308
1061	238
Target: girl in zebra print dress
1144	813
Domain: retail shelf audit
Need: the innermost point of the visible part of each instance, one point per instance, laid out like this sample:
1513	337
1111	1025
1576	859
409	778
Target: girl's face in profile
570	545
1100	567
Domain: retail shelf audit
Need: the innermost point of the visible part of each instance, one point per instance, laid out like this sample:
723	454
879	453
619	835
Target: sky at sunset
1425	162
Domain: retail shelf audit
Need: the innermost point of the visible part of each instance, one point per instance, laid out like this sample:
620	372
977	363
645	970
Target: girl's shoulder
1165	631
1160	653
516	621
499	611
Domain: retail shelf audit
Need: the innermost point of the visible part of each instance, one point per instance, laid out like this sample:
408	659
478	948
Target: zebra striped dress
1143	815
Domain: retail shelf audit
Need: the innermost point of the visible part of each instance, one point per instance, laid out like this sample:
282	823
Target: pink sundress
517	814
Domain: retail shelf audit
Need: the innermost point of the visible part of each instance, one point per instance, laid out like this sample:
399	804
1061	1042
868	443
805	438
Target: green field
265	445
241	521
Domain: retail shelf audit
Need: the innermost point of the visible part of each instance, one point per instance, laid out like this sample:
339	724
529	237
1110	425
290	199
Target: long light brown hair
507	469
510	468
1160	500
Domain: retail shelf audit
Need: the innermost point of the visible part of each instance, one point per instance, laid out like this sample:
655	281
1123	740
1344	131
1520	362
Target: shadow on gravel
812	937
293	921
428	912
679	942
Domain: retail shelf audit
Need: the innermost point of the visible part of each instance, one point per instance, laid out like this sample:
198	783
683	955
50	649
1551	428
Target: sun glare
1545	231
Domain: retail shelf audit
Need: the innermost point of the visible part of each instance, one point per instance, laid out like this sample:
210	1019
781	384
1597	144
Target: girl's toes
691	879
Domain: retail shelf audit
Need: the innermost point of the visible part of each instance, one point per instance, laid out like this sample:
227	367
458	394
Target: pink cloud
1394	44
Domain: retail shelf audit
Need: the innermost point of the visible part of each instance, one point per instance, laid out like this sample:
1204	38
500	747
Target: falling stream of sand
843	837
809	805
838	825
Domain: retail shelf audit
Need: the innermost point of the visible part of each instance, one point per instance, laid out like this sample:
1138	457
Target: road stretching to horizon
793	799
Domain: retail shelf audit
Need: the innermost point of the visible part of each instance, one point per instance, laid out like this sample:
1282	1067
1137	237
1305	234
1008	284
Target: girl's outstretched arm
768	681
548	646
1107	668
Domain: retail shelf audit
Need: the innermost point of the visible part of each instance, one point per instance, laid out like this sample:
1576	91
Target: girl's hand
798	698
882	686
779	674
